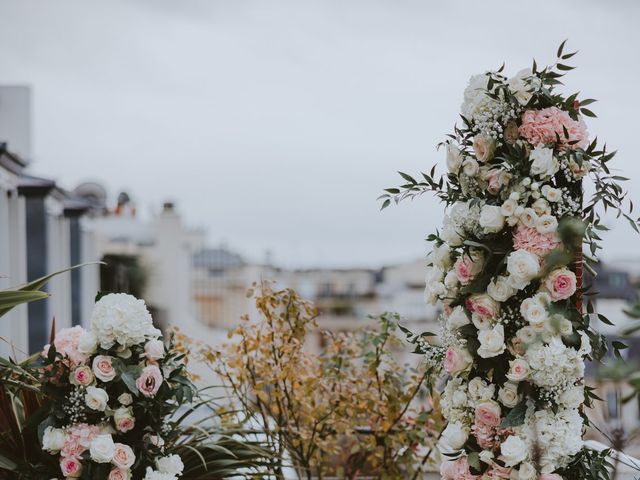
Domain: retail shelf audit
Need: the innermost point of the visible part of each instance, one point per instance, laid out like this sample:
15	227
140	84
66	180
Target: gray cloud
275	124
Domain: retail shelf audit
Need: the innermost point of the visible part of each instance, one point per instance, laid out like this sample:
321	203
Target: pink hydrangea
529	239
456	470
485	434
78	439
541	127
66	343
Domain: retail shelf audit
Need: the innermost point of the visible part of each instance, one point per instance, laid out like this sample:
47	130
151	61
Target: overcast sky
276	124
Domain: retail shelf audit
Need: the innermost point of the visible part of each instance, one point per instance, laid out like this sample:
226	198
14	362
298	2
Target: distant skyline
275	124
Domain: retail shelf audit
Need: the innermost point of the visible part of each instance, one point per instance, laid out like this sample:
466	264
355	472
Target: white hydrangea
434	288
475	99
455	402
123	319
171	464
554	365
523	84
480	390
152	474
558	435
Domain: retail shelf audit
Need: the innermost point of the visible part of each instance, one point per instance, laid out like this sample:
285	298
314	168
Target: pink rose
466	268
483	305
488	413
457	360
149	381
561	284
123	456
82	375
549	476
119	474
71	467
546	125
493	179
103	368
154	350
124	419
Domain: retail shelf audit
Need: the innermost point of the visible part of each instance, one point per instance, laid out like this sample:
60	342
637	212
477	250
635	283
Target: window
613	404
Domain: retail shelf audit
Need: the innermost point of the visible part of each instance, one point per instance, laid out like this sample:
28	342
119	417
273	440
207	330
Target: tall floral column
507	268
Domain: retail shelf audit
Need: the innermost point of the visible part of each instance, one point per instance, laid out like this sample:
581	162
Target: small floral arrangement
507	267
111	390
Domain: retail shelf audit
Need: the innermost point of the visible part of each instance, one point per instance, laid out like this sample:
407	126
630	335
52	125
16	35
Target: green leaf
13	298
38	283
129	377
516	416
7	464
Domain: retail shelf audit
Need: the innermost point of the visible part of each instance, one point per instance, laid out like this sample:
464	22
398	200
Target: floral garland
111	389
507	266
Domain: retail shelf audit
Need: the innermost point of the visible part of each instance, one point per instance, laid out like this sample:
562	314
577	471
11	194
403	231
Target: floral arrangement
507	268
111	390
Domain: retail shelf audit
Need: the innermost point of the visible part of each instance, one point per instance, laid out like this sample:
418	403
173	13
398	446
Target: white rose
500	290
552	194
534	312
491	342
458	317
125	399
514	450
529	217
88	343
480	322
527	472
547	224
527	335
454	158
544	164
522	85
491	219
508	395
455	435
509	207
484	147
518	370
102	448
154	349
541	206
522	267
171	464
470	167
96	398
53	439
